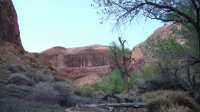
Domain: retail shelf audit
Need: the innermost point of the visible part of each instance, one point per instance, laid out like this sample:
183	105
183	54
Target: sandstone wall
81	65
141	55
9	29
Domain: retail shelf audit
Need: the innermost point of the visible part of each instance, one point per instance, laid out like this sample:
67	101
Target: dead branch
133	105
111	96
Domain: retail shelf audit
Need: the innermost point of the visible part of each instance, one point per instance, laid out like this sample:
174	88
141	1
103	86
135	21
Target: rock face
11	50
140	55
81	65
9	29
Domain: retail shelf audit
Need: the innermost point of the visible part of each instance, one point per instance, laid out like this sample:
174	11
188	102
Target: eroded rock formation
82	64
9	29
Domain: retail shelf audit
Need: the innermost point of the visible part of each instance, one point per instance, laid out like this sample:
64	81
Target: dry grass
169	100
174	108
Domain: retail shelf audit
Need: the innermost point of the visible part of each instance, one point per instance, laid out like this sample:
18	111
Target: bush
4	74
9	105
174	108
39	77
16	91
137	78
65	90
167	99
20	79
15	68
44	92
29	78
111	83
53	93
158	82
85	90
19	105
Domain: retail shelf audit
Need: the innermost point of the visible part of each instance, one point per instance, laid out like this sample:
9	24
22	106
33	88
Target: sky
72	23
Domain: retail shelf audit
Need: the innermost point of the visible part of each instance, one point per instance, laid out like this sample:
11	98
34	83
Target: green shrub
167	99
113	82
85	90
137	78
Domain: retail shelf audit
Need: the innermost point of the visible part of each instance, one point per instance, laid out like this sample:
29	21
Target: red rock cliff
9	29
11	50
82	65
138	52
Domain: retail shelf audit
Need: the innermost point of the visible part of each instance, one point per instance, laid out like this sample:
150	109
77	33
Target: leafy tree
182	59
179	11
176	57
122	60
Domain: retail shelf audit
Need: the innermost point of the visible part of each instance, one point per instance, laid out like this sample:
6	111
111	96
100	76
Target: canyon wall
82	64
9	29
141	55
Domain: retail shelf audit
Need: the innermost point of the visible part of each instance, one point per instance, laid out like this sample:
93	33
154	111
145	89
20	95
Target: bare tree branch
190	19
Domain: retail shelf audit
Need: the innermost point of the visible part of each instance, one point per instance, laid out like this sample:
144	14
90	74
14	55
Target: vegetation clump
20	79
164	101
53	93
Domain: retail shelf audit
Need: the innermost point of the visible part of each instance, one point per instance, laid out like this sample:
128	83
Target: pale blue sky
72	23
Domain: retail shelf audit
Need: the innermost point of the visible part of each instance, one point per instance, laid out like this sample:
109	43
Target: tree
122	59
182	61
179	11
173	56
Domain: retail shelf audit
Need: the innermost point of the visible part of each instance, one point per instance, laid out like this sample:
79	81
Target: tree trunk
199	44
197	28
126	90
